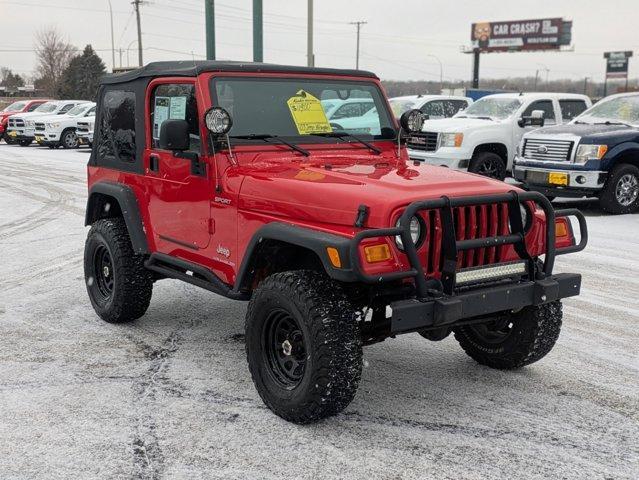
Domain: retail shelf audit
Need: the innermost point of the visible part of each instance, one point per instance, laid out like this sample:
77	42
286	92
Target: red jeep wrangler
230	176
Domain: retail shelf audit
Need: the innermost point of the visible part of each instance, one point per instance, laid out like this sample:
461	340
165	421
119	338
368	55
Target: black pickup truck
596	155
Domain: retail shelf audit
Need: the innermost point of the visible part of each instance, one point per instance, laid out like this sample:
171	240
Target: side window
175	102
434	109
571	108
66	108
117	126
33	106
546	107
451	107
347	111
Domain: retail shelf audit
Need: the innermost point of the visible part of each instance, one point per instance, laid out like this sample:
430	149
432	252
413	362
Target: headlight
415	232
451	139
53	125
590	152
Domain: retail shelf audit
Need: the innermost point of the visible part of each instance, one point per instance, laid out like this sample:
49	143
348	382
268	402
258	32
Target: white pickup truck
85	129
60	131
21	127
483	138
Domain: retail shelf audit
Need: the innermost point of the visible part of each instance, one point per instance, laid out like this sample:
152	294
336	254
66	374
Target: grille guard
451	247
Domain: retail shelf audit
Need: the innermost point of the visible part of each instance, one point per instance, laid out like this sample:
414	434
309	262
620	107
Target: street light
441	71
112	39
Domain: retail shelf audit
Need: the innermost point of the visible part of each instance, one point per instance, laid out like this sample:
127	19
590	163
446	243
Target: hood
456	124
33	115
589	133
311	191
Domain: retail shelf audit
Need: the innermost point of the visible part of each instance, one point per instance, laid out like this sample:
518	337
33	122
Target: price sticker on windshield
308	114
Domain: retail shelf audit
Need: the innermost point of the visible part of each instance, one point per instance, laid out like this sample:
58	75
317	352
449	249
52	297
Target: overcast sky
395	43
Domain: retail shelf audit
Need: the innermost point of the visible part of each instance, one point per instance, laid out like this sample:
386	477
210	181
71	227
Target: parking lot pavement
170	396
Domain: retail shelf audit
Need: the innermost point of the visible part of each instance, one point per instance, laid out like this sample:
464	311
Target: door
179	195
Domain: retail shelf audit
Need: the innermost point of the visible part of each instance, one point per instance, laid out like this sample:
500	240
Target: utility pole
536	78
309	31
136	5
476	53
359	26
209	13
258	45
112	39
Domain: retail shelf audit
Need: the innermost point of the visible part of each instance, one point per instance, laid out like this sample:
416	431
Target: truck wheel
24	143
515	339
488	164
8	139
303	346
69	139
118	284
621	192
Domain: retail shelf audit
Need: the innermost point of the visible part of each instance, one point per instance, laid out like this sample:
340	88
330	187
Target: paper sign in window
308	114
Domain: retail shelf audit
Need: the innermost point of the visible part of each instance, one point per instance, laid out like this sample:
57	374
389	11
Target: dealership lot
170	395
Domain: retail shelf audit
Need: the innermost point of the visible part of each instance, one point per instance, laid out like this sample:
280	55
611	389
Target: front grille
83	127
474	221
546	150
39	127
16	122
425	141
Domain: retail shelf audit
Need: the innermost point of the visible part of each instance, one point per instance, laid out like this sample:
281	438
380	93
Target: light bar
502	270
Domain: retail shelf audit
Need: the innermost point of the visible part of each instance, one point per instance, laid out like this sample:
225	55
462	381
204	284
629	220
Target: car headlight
415	227
53	125
590	152
451	139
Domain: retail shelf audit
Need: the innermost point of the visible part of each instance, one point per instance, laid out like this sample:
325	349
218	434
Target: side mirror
412	121
174	135
536	119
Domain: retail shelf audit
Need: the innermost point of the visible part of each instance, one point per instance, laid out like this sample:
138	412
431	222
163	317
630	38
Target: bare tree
54	55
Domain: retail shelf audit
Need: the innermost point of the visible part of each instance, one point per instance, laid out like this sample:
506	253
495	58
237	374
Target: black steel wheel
488	164
284	348
303	346
118	284
513	340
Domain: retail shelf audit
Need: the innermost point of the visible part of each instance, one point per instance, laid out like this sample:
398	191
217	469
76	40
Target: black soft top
190	68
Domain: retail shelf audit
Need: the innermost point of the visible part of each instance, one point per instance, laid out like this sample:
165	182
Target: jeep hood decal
320	193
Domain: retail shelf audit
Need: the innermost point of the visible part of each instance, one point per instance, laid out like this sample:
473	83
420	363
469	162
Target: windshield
78	110
15	107
617	109
46	108
493	107
400	106
298	108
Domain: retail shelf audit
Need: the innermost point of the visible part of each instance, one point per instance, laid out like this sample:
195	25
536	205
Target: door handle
154	163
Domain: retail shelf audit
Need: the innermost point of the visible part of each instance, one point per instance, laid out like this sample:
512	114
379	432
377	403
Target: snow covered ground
171	397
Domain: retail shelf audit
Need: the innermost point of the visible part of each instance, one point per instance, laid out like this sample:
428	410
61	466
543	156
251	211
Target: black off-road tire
533	333
69	139
132	284
24	143
608	200
488	164
332	346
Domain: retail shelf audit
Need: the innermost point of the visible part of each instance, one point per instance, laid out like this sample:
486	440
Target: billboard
617	64
521	35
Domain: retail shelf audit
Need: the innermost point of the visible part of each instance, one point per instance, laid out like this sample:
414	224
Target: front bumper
580	182
443	157
19	135
413	315
46	138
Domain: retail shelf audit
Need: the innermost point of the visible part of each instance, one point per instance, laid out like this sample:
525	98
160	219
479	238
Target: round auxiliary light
218	121
412	120
415	228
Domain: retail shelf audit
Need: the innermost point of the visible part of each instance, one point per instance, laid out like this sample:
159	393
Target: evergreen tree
82	77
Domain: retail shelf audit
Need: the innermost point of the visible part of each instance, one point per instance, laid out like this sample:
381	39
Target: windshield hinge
362	216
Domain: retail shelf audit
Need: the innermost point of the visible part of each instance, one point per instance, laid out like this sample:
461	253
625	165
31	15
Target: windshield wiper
372	148
267	136
608	122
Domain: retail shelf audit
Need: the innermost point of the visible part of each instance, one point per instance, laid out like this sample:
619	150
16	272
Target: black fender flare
310	239
129	207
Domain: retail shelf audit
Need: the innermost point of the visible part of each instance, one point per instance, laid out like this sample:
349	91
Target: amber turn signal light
377	253
333	256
